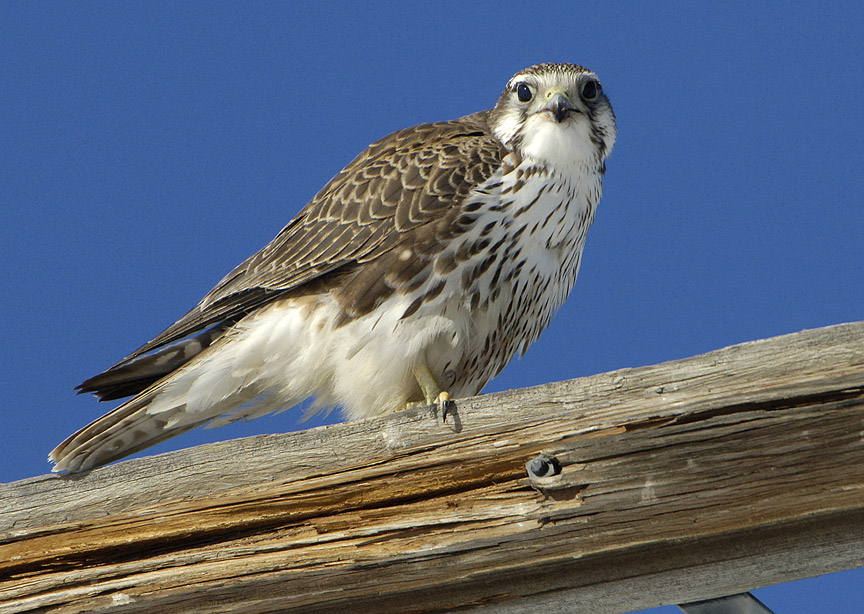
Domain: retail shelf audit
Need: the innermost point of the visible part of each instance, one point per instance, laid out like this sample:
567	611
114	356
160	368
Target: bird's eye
523	92
590	90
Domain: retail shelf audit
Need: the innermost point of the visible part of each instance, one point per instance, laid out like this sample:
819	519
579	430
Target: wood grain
681	481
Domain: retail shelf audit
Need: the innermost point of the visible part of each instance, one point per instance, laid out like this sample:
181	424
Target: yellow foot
431	389
445	404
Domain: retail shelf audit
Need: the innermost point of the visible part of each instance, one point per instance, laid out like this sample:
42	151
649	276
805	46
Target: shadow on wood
674	483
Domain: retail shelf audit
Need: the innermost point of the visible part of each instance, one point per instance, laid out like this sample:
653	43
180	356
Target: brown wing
409	179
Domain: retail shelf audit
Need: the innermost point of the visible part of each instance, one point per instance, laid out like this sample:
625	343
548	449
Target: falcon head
556	115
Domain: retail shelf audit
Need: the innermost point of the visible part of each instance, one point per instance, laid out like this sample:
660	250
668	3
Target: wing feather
404	181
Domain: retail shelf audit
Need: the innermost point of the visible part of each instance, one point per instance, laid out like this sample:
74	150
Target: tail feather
222	375
202	384
124	431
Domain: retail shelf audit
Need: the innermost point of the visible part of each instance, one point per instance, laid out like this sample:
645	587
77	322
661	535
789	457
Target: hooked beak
560	107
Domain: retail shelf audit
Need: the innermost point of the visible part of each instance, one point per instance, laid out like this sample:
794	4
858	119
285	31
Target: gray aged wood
681	481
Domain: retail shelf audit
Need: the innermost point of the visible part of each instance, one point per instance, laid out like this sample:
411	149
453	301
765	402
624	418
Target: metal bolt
541	467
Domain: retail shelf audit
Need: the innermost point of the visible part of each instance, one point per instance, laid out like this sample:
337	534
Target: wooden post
676	482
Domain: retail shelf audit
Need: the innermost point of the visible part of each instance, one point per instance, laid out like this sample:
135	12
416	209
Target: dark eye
590	90
523	92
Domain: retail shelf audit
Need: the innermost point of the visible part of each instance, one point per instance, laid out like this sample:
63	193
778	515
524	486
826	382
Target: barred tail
124	431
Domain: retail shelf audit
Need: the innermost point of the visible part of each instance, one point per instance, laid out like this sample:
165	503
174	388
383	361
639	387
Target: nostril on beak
559	106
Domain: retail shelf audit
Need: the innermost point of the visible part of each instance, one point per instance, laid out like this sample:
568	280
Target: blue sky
146	149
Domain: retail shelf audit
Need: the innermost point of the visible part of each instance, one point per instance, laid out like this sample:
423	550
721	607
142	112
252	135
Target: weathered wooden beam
678	482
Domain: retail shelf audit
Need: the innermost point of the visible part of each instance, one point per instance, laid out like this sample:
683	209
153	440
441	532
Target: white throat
567	147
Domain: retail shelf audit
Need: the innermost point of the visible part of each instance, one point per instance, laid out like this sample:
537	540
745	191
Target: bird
412	277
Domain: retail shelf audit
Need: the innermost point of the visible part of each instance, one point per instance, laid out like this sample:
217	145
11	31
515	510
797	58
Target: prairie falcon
419	270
